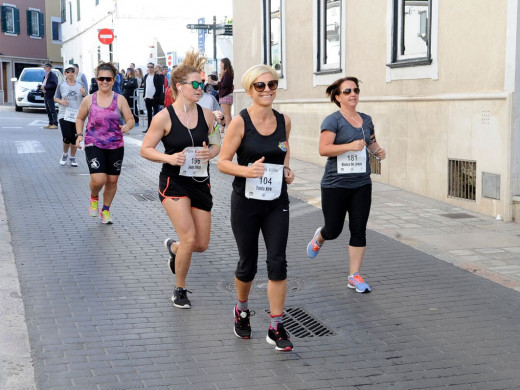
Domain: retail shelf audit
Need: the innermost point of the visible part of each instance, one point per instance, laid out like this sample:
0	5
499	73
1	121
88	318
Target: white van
27	88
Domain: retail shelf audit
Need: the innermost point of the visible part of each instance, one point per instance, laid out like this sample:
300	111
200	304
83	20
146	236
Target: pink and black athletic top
103	129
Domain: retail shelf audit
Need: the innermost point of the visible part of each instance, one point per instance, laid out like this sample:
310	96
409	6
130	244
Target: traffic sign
199	26
106	36
169	60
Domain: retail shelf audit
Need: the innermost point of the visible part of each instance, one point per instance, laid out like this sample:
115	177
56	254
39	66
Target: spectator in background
139	77
166	76
153	85
48	87
132	66
129	86
225	88
118	81
80	76
212	85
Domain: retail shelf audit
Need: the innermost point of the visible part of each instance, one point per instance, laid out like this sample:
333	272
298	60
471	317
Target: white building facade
144	31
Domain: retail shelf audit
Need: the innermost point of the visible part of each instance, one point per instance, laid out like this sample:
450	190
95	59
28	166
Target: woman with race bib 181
259	136
347	136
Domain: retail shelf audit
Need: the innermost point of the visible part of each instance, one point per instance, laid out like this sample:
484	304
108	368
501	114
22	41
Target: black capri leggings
336	202
248	218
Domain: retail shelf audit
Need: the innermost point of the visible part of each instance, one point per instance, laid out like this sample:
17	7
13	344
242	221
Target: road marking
25	147
133	141
38	122
5	127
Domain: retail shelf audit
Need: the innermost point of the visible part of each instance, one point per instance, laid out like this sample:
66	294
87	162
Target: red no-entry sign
106	36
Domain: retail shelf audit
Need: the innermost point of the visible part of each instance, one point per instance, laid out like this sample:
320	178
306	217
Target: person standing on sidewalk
347	136
69	95
104	145
153	86
259	200
184	185
49	85
225	88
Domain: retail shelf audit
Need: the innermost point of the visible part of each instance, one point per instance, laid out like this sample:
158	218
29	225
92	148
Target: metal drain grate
301	324
457	215
146	196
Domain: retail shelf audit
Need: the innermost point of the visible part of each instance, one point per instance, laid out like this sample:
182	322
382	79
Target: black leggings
336	202
248	218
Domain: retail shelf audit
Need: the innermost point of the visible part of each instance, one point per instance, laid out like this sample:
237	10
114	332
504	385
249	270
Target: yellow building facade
439	78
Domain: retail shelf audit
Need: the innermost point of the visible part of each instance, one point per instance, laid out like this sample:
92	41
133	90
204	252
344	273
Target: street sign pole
215	43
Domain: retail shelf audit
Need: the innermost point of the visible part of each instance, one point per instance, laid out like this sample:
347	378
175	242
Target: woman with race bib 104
259	200
346	139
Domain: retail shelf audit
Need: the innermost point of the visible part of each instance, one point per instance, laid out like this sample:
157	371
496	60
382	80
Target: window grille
462	179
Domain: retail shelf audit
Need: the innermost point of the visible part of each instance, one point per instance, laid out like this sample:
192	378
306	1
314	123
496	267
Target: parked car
27	91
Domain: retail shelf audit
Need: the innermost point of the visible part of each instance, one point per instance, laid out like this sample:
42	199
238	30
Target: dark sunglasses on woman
260	86
107	79
347	91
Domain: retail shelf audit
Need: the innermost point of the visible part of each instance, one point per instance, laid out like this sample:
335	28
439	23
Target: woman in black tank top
259	201
184	186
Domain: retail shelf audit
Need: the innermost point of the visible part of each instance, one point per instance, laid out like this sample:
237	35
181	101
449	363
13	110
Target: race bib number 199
267	187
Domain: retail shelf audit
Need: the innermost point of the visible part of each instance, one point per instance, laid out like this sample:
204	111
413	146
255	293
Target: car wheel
17	108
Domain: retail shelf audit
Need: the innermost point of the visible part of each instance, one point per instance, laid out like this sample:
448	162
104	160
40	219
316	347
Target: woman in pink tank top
104	146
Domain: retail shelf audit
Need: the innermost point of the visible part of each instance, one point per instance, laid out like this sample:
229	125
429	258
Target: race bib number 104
267	187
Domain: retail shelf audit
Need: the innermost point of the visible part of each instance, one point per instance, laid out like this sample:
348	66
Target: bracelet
287	168
79	135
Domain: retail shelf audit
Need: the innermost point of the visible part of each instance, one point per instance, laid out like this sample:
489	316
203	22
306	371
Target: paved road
98	314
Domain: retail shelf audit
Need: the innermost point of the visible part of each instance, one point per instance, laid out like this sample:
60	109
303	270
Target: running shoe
357	282
63	159
73	162
105	217
93	207
52	127
171	261
313	247
279	338
180	298
242	326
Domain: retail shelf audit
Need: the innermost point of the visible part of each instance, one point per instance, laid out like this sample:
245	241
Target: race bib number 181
353	162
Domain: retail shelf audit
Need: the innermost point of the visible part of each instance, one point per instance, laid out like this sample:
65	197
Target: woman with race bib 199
347	136
259	200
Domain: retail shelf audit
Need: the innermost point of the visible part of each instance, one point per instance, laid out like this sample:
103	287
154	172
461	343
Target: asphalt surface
98	315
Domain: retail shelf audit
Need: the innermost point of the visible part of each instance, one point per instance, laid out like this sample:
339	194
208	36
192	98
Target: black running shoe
171	261
180	298
280	338
242	326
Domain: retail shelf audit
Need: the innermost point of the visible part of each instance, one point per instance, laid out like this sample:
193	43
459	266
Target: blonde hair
256	71
193	63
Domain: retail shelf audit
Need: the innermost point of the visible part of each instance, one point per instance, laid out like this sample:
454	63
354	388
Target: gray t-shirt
71	93
346	133
208	101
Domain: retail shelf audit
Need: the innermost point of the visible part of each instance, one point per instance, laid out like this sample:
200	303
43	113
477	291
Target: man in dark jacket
153	92
49	85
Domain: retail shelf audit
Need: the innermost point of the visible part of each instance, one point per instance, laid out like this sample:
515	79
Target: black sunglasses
69	71
260	86
347	91
150	66
107	79
194	84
